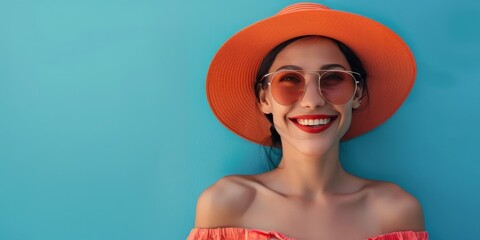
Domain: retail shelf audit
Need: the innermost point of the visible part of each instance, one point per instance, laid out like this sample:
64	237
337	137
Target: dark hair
275	140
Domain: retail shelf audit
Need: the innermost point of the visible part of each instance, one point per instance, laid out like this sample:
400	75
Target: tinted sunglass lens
337	87
287	87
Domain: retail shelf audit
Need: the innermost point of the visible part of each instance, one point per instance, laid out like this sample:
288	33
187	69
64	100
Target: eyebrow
324	67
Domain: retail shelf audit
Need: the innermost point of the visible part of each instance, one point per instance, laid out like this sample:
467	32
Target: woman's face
333	121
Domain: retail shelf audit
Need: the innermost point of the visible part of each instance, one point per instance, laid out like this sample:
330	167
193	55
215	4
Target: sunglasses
335	86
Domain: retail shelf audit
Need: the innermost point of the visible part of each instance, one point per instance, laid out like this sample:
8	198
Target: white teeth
313	122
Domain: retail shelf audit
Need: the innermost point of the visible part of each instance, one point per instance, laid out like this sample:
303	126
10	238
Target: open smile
313	123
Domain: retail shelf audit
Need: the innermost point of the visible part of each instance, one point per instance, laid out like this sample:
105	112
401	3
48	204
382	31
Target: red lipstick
310	129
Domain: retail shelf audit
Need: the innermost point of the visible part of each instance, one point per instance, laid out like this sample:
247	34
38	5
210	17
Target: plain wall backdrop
106	133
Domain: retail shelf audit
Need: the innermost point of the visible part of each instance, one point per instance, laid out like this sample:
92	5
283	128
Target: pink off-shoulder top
254	234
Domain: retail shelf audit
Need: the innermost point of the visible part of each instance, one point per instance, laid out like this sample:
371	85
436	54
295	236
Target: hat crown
297	7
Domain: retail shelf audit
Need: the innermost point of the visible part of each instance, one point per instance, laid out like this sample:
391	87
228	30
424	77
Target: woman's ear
265	104
357	99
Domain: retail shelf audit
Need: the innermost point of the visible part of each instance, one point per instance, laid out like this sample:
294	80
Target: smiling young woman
303	81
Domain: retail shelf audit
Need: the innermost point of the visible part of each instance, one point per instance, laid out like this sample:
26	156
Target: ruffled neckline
231	232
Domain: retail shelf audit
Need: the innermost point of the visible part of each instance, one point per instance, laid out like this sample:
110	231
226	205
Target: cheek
346	119
280	119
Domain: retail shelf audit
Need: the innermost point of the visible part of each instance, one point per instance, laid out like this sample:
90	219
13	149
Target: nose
312	98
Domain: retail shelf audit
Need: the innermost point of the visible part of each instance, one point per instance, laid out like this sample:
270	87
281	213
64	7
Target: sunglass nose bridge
312	95
311	76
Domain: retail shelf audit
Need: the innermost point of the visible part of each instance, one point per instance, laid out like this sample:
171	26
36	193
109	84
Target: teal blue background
105	131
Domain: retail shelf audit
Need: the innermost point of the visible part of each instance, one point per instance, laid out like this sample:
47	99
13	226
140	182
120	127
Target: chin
314	146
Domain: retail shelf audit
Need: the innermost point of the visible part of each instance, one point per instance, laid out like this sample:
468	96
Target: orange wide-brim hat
389	63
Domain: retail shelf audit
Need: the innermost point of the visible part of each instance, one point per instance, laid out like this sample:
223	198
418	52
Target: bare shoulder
394	208
223	203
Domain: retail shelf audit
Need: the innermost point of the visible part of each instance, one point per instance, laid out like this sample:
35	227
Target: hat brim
389	63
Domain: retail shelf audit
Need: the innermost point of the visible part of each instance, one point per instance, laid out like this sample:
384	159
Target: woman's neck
309	176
